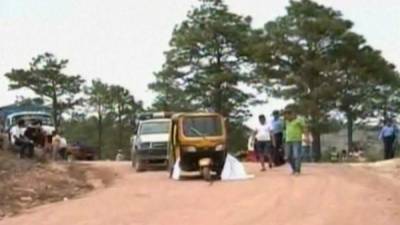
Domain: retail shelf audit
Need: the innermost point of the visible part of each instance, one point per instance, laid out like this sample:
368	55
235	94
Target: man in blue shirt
388	136
277	127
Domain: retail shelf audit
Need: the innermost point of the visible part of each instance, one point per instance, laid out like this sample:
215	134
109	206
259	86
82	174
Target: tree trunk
100	135
119	130
385	113
316	145
218	101
350	123
316	134
55	113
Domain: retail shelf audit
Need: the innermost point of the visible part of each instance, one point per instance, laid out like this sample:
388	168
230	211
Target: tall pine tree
204	66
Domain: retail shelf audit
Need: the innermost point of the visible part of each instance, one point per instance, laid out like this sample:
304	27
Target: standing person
295	127
19	139
59	146
263	142
277	127
388	136
120	156
306	145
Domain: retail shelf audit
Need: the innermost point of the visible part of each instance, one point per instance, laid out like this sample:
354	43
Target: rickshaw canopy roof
194	114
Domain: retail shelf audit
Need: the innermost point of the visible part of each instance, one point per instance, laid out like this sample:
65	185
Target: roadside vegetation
310	55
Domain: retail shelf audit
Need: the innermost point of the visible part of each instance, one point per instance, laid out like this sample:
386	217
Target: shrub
373	155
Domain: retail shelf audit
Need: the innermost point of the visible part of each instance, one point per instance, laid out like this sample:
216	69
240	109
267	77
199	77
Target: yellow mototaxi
198	140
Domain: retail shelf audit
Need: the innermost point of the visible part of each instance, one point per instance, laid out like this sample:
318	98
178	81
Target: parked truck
11	114
150	141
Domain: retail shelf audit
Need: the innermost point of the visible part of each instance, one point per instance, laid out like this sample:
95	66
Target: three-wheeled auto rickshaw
198	140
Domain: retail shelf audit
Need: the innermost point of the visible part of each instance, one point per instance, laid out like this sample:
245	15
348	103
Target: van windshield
154	128
31	118
202	126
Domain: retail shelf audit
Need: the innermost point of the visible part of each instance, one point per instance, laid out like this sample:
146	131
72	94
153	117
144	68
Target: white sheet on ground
234	170
176	173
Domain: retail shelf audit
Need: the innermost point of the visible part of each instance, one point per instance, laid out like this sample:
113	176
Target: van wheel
206	173
133	160
139	165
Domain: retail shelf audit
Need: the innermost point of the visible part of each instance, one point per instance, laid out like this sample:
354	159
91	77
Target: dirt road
324	194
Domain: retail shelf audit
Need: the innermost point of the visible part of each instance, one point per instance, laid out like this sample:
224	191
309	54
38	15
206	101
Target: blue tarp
6	110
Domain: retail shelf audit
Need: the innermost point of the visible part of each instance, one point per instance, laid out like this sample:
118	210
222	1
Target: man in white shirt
120	156
263	142
59	146
19	139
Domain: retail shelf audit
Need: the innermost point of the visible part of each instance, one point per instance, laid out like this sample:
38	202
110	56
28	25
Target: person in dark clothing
34	133
388	136
277	127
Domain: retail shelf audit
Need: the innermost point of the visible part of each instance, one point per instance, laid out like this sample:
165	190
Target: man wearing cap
295	127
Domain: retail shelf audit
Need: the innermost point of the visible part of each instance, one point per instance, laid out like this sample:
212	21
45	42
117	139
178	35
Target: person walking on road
295	127
120	156
59	146
306	145
388	136
263	142
277	126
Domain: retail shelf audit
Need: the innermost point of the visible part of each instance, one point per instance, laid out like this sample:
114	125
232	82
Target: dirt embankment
26	183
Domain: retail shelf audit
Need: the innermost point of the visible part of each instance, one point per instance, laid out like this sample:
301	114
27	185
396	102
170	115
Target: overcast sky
122	41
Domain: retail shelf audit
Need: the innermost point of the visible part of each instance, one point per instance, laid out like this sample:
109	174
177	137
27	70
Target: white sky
122	41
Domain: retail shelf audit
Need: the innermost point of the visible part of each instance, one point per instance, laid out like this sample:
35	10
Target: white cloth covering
176	173
233	170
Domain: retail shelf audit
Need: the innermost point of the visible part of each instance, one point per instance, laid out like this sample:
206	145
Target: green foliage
171	96
373	155
310	55
85	131
294	59
29	101
111	126
238	137
123	108
45	78
204	65
98	98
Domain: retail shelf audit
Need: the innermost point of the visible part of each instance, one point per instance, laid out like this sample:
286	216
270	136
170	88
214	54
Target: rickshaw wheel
206	173
139	167
170	169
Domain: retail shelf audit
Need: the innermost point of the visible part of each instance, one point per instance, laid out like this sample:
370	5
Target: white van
150	143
